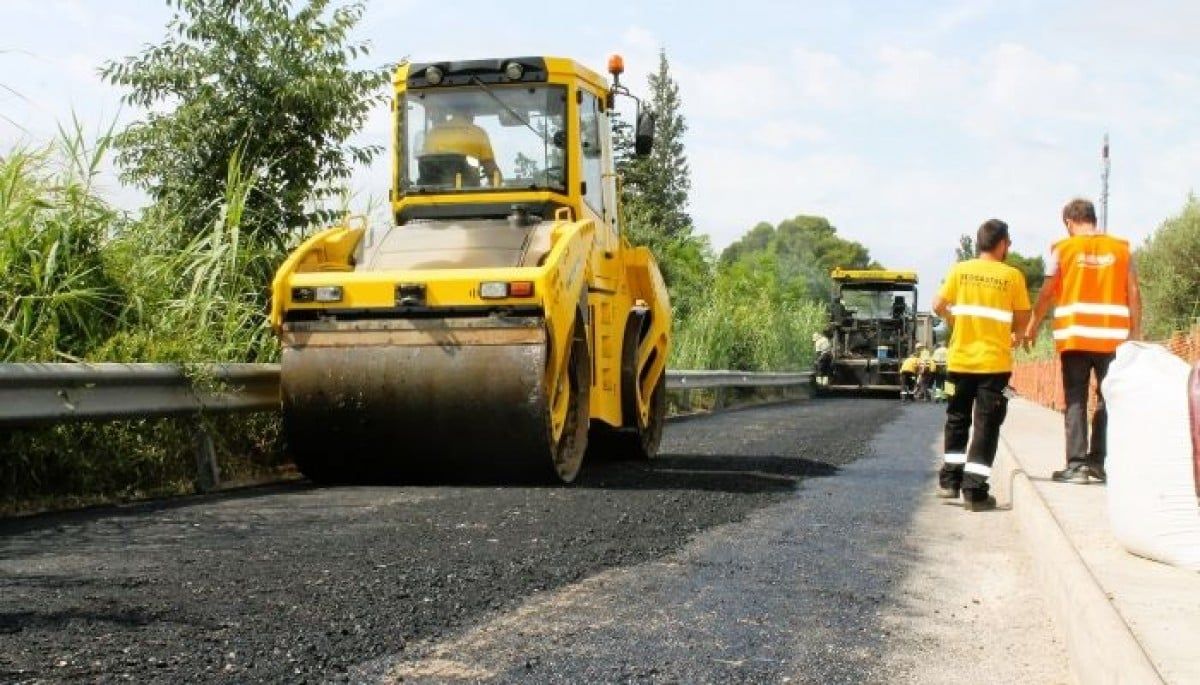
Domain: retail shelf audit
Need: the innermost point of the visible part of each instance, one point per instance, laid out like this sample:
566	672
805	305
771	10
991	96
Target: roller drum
407	397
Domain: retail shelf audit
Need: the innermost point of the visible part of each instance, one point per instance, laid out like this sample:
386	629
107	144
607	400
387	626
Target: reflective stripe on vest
1093	332
1093	310
1090	308
1001	315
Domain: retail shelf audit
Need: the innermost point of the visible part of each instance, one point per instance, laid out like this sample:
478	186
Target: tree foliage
965	249
657	186
1168	266
753	322
654	196
1033	268
270	82
805	250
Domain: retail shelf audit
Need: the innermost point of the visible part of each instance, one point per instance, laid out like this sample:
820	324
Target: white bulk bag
1151	490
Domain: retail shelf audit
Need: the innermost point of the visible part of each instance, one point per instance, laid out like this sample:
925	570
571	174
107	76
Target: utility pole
1104	186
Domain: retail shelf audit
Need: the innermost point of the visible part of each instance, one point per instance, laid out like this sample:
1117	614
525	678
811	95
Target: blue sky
905	123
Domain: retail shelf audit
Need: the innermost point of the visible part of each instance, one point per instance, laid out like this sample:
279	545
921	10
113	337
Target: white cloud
781	133
640	39
824	78
958	15
918	76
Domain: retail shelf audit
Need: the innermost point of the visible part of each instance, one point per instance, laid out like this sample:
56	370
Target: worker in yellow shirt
925	371
457	134
908	376
940	356
987	304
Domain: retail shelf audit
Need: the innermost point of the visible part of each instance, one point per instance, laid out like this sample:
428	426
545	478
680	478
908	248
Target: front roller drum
402	399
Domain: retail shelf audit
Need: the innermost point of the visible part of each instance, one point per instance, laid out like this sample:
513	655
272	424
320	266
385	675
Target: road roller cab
501	320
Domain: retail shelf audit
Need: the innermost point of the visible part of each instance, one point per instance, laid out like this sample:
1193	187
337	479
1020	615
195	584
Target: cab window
591	152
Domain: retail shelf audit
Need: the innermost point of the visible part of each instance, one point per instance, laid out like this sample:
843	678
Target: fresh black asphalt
754	549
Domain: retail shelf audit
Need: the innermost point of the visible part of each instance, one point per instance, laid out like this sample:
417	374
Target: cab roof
874	276
491	71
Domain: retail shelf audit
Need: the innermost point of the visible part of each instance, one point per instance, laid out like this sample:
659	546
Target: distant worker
909	368
899	307
456	134
988	307
824	354
940	356
1093	285
925	370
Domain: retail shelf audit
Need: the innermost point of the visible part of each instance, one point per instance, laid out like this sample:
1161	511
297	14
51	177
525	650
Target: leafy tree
1169	272
805	250
654	196
526	167
657	186
1033	268
965	249
268	81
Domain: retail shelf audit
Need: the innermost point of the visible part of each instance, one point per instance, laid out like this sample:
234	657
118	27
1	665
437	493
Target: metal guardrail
43	394
697	380
32	394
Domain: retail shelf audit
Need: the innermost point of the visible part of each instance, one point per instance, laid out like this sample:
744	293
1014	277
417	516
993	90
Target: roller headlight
514	71
303	294
493	290
433	75
329	293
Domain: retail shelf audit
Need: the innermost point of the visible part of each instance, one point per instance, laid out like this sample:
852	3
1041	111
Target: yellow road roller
501	321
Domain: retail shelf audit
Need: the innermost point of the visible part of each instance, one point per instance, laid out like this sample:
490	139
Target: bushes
202	301
1169	273
80	281
749	323
56	298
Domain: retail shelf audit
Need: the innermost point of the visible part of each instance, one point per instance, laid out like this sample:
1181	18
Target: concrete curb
1100	645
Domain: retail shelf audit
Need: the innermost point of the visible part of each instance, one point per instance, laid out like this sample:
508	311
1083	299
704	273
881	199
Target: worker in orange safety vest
1093	286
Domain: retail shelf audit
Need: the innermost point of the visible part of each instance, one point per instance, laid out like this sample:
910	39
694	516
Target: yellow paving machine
502	320
873	326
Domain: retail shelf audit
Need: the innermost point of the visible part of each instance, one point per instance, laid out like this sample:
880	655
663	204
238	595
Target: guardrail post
685	400
208	473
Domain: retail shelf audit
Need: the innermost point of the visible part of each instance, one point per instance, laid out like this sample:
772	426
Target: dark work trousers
1077	368
978	398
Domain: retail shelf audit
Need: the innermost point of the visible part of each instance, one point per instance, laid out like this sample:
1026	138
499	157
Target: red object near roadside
1194	396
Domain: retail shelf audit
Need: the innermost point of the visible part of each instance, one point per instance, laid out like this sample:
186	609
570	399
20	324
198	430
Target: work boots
1074	473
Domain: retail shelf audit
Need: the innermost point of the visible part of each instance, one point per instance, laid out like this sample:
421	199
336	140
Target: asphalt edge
1101	647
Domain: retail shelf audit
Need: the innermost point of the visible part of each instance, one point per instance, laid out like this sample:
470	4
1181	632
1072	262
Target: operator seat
441	170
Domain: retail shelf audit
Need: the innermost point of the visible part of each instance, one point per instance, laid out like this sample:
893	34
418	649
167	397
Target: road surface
792	543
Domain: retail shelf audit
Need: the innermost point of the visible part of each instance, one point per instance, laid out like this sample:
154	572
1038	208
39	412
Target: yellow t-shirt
983	295
460	139
926	358
909	365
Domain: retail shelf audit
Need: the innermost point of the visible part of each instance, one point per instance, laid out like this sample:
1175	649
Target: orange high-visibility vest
1093	298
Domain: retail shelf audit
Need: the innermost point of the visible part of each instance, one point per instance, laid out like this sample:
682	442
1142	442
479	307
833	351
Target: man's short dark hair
1080	211
990	234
